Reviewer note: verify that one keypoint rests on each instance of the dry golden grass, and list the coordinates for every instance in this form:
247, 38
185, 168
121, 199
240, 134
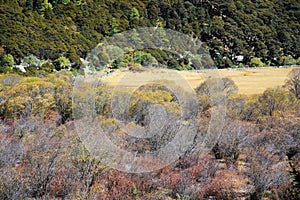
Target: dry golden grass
256, 81
249, 81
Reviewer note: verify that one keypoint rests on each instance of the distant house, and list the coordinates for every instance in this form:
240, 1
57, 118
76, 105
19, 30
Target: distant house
21, 67
239, 58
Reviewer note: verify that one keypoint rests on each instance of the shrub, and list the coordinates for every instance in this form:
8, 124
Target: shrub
225, 84
6, 63
293, 83
62, 63
144, 58
287, 60
256, 62
32, 96
276, 100
63, 87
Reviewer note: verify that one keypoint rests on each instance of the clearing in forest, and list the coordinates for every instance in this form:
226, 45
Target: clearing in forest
249, 81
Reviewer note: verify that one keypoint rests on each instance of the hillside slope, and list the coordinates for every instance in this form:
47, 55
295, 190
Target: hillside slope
268, 30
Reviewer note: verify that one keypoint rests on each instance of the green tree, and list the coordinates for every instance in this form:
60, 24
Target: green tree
66, 1
287, 60
6, 63
114, 27
29, 4
134, 17
62, 63
144, 58
32, 60
46, 6
256, 62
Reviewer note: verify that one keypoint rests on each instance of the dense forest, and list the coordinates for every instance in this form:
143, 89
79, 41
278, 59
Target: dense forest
55, 34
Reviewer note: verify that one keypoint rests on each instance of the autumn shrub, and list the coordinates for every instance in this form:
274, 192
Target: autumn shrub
270, 154
250, 111
212, 91
293, 82
103, 99
224, 84
204, 102
10, 80
46, 162
32, 96
268, 169
235, 137
227, 184
276, 100
63, 88
155, 106
236, 106
32, 169
146, 96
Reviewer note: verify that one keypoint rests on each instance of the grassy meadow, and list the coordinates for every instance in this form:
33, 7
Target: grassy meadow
249, 81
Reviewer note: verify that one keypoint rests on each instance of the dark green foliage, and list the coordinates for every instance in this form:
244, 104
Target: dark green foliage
6, 63
263, 29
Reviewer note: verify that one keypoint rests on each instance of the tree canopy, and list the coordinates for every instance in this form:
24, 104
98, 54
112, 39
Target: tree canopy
268, 30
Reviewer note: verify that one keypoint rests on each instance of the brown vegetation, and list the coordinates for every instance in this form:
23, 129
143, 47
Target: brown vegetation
42, 156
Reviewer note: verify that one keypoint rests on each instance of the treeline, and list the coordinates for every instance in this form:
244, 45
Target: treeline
234, 32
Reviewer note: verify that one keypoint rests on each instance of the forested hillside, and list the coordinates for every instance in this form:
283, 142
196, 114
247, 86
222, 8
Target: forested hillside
60, 32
